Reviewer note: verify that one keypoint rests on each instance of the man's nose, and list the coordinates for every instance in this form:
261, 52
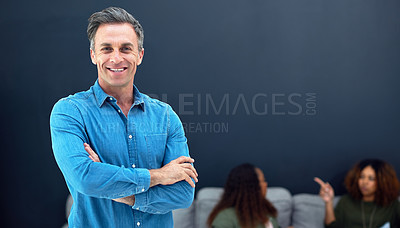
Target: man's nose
116, 57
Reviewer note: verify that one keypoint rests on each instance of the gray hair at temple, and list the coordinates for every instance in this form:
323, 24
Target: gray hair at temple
112, 15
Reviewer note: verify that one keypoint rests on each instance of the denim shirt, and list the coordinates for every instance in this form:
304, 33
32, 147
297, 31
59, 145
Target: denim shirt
148, 138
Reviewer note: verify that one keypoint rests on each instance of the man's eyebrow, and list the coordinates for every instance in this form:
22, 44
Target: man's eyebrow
127, 44
105, 44
108, 44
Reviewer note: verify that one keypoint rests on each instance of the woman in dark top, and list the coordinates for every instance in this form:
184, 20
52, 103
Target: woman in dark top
372, 199
243, 203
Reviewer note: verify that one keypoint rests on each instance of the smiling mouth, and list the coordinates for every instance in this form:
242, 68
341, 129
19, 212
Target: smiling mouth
117, 70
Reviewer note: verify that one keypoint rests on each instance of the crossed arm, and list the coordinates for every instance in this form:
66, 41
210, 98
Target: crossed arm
177, 170
156, 191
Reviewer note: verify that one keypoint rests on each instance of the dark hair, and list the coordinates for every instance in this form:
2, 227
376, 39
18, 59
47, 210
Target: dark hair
243, 192
112, 15
387, 184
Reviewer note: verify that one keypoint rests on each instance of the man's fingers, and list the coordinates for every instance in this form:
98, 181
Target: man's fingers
190, 166
190, 181
183, 159
92, 154
191, 174
179, 169
90, 151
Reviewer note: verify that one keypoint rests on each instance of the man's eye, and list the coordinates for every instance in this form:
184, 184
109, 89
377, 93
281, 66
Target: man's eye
106, 49
126, 49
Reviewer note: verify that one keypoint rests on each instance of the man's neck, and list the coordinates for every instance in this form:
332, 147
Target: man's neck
123, 95
123, 98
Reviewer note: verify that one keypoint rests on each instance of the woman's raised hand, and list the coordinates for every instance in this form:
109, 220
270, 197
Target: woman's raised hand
326, 192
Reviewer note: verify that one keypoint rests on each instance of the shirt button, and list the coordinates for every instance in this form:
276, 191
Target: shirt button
119, 111
142, 189
130, 136
133, 166
110, 98
138, 223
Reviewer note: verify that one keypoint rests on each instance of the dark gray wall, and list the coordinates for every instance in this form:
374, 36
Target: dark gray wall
299, 88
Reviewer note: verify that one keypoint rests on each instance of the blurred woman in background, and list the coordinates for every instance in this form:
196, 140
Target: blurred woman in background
372, 199
243, 203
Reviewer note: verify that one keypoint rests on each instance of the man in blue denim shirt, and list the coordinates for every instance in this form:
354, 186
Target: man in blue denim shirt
124, 156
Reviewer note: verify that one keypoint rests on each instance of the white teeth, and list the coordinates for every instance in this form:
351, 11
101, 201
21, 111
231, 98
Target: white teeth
117, 70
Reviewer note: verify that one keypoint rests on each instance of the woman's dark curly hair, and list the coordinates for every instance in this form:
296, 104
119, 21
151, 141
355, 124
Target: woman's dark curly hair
243, 192
387, 184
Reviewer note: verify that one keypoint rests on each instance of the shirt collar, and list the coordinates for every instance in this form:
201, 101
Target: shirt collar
101, 96
138, 97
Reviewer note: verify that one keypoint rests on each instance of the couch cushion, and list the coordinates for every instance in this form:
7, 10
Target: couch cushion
309, 211
282, 200
184, 218
207, 198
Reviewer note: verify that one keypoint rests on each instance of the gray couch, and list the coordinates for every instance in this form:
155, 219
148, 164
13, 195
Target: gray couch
300, 210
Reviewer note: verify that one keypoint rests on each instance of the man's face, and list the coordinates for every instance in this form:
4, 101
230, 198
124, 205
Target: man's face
116, 55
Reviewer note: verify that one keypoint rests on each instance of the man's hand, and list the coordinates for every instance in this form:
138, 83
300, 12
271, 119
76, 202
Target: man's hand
177, 170
326, 192
129, 200
92, 154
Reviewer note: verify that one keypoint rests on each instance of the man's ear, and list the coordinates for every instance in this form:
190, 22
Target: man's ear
93, 57
141, 54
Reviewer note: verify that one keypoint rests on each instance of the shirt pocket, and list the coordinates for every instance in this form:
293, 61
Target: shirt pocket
156, 145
